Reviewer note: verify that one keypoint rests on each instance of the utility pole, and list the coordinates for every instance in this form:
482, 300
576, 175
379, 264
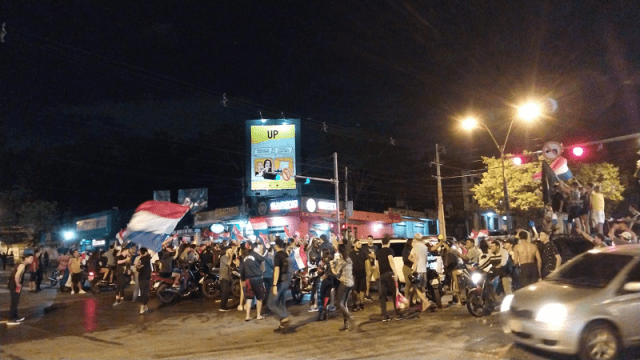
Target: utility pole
337, 183
346, 192
244, 202
442, 226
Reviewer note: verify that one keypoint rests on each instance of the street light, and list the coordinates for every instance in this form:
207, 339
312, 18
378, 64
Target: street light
527, 112
68, 235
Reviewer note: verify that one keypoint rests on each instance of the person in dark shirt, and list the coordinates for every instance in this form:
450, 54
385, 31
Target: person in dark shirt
144, 277
551, 258
557, 205
122, 264
15, 287
280, 286
251, 275
388, 276
359, 257
206, 258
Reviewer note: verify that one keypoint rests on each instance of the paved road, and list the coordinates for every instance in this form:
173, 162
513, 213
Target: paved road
65, 326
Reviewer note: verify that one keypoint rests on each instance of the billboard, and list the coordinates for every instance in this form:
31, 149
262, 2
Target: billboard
274, 146
197, 199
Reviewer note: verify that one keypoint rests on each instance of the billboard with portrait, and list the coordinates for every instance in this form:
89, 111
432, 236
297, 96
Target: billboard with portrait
273, 155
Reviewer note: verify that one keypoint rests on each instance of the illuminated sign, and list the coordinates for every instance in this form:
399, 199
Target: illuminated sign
313, 205
283, 205
326, 205
92, 224
273, 154
98, 242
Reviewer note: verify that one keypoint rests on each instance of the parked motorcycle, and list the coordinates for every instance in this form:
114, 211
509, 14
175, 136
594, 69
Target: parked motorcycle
97, 284
434, 285
55, 277
482, 297
302, 282
196, 276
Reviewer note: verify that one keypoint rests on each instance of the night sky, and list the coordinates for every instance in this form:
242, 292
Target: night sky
77, 70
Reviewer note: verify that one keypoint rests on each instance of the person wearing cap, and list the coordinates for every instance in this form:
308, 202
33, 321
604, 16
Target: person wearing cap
625, 238
418, 256
15, 287
251, 276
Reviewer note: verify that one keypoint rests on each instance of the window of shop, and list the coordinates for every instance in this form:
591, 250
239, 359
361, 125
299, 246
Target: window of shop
432, 227
400, 230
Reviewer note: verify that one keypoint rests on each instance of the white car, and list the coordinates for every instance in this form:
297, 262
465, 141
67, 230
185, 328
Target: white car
590, 306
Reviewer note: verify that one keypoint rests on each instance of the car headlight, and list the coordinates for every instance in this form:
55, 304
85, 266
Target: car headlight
552, 314
506, 303
476, 278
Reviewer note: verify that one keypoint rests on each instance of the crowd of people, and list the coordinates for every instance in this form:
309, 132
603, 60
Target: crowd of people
345, 267
577, 210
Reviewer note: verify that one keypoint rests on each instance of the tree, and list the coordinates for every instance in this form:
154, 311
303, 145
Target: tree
39, 215
524, 194
606, 175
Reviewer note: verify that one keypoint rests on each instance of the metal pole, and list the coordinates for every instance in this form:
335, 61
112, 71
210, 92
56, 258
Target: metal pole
244, 203
346, 192
443, 228
337, 183
506, 194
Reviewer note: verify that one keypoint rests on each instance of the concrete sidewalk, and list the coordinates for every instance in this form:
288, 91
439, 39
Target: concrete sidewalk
30, 302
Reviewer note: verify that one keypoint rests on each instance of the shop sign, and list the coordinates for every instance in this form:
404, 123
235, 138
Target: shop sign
326, 205
405, 212
284, 205
313, 205
98, 242
226, 212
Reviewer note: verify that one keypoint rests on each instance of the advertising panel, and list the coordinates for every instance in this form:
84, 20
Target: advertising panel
273, 156
197, 199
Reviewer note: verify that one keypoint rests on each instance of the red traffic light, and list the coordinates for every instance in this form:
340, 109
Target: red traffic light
517, 160
578, 151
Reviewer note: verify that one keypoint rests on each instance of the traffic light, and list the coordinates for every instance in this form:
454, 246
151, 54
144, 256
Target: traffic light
517, 160
578, 151
302, 180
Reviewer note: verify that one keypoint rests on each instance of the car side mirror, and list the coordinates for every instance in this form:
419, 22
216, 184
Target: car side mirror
633, 286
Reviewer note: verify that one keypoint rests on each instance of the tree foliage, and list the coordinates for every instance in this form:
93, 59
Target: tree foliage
524, 193
606, 175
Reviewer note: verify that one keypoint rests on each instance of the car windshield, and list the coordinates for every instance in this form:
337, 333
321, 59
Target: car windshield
592, 269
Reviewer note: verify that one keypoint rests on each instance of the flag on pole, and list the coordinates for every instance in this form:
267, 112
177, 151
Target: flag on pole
120, 236
264, 238
286, 231
237, 233
559, 168
152, 222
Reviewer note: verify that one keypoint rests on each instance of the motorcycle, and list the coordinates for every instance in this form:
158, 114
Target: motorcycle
434, 285
98, 284
302, 282
194, 285
212, 287
482, 297
55, 277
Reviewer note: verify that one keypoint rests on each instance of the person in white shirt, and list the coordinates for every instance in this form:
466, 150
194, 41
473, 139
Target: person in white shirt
418, 255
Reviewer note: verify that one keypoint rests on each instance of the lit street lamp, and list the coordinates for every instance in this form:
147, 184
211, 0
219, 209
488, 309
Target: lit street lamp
527, 112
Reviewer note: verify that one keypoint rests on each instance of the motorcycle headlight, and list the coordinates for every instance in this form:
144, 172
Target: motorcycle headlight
506, 303
476, 278
552, 314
